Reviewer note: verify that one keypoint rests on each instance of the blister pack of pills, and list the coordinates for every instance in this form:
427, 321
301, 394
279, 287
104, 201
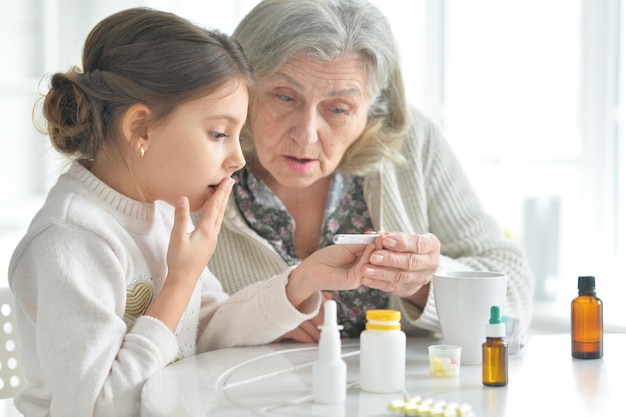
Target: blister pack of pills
428, 407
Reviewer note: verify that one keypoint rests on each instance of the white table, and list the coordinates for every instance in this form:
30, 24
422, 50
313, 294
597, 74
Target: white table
275, 380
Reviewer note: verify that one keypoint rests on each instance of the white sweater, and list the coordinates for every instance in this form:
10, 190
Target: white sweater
431, 193
89, 266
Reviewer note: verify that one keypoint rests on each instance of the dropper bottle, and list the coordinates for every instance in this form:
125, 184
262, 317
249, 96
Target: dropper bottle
586, 321
495, 352
329, 370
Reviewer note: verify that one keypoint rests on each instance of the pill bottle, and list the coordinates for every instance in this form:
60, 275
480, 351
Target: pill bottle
495, 352
586, 321
383, 352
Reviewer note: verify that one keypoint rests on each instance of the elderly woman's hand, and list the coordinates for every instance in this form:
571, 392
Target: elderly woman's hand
403, 264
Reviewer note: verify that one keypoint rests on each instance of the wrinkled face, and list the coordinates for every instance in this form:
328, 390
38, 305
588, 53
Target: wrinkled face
306, 115
195, 147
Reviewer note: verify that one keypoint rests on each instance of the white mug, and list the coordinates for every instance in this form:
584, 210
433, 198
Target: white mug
463, 300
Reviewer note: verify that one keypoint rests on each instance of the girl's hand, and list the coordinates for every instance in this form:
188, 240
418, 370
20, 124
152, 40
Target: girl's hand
335, 267
189, 253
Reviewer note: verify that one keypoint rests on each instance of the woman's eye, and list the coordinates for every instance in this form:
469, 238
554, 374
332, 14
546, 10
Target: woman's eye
283, 97
339, 110
217, 135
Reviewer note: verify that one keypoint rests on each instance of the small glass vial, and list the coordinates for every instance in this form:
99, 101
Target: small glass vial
383, 352
495, 352
587, 322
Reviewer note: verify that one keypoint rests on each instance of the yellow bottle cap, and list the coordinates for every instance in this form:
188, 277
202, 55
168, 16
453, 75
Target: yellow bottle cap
383, 319
383, 315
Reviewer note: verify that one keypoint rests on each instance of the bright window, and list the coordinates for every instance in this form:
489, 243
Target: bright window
530, 105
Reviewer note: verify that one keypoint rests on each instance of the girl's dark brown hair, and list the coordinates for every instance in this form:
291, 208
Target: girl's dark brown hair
138, 55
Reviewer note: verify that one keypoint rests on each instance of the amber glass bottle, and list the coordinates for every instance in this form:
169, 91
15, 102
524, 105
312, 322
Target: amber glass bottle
495, 352
587, 322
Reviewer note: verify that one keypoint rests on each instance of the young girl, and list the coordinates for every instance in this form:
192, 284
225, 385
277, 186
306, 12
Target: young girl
110, 281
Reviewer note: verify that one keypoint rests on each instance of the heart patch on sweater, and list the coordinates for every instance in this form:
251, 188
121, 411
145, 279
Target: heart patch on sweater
138, 299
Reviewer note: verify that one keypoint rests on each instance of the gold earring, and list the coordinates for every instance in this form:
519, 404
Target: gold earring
141, 151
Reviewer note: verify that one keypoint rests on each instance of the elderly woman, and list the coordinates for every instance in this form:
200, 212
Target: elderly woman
332, 147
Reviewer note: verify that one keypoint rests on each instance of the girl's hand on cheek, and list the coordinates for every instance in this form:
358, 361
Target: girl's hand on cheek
188, 253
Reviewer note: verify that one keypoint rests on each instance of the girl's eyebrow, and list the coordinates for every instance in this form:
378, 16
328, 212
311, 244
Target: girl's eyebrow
221, 117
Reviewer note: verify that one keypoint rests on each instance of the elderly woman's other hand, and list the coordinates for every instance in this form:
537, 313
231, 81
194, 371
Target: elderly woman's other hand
403, 264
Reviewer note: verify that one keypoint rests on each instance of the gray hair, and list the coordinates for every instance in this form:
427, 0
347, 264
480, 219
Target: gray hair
277, 30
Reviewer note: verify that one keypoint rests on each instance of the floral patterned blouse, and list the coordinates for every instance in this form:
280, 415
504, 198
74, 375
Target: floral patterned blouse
345, 212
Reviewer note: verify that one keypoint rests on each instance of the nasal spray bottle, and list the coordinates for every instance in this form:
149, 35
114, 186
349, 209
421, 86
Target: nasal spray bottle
329, 370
